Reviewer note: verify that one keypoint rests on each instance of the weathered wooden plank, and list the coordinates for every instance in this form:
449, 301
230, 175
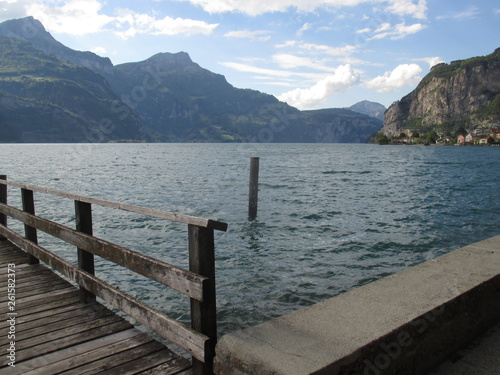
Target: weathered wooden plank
186, 219
28, 292
177, 278
28, 320
32, 303
69, 299
13, 260
78, 355
68, 341
4, 271
59, 335
26, 333
38, 336
117, 359
29, 276
39, 361
172, 367
28, 286
149, 362
168, 328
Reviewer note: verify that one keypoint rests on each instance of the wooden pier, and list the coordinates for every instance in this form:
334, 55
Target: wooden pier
51, 326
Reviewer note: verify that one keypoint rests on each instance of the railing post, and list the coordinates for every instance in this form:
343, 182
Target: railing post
83, 213
30, 232
204, 314
3, 199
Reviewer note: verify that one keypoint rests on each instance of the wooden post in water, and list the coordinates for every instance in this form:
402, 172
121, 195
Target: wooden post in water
253, 191
29, 232
3, 199
204, 314
83, 211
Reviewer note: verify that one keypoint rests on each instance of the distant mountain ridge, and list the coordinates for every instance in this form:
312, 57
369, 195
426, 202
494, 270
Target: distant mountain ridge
371, 109
51, 93
462, 94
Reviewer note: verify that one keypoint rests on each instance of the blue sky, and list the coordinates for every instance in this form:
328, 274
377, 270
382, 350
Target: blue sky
309, 53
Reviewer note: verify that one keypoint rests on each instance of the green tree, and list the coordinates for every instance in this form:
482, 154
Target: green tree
382, 139
431, 137
461, 131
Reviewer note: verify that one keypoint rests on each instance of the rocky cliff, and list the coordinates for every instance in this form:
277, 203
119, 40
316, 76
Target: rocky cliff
464, 93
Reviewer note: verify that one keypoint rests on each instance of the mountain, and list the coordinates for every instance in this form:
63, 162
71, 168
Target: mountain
371, 109
32, 31
45, 99
51, 93
464, 93
182, 101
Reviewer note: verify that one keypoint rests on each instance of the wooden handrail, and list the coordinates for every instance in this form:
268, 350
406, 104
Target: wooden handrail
172, 216
174, 277
198, 283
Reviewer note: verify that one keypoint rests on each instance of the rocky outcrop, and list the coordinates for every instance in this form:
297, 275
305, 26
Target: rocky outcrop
463, 93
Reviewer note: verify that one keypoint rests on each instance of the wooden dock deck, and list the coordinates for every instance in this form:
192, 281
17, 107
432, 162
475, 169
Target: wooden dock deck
52, 326
56, 333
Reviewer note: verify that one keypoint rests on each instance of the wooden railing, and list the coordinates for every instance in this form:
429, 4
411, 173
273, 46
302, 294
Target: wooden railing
198, 282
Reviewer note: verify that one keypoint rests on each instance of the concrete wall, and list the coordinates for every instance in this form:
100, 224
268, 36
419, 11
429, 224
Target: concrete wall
406, 323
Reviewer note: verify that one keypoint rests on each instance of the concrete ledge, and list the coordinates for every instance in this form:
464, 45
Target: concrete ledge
406, 323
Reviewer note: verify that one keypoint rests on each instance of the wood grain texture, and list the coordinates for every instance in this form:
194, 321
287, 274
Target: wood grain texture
56, 333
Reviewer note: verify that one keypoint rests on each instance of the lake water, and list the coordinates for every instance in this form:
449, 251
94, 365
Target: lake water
331, 217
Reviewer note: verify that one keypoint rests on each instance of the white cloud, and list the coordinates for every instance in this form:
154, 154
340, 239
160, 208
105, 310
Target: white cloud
415, 8
333, 51
77, 17
10, 9
343, 78
140, 23
288, 43
403, 75
81, 17
395, 32
256, 7
259, 35
101, 51
253, 69
470, 12
288, 61
304, 27
364, 31
431, 60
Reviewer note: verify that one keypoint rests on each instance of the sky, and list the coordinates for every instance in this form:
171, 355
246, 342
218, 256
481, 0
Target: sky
309, 53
